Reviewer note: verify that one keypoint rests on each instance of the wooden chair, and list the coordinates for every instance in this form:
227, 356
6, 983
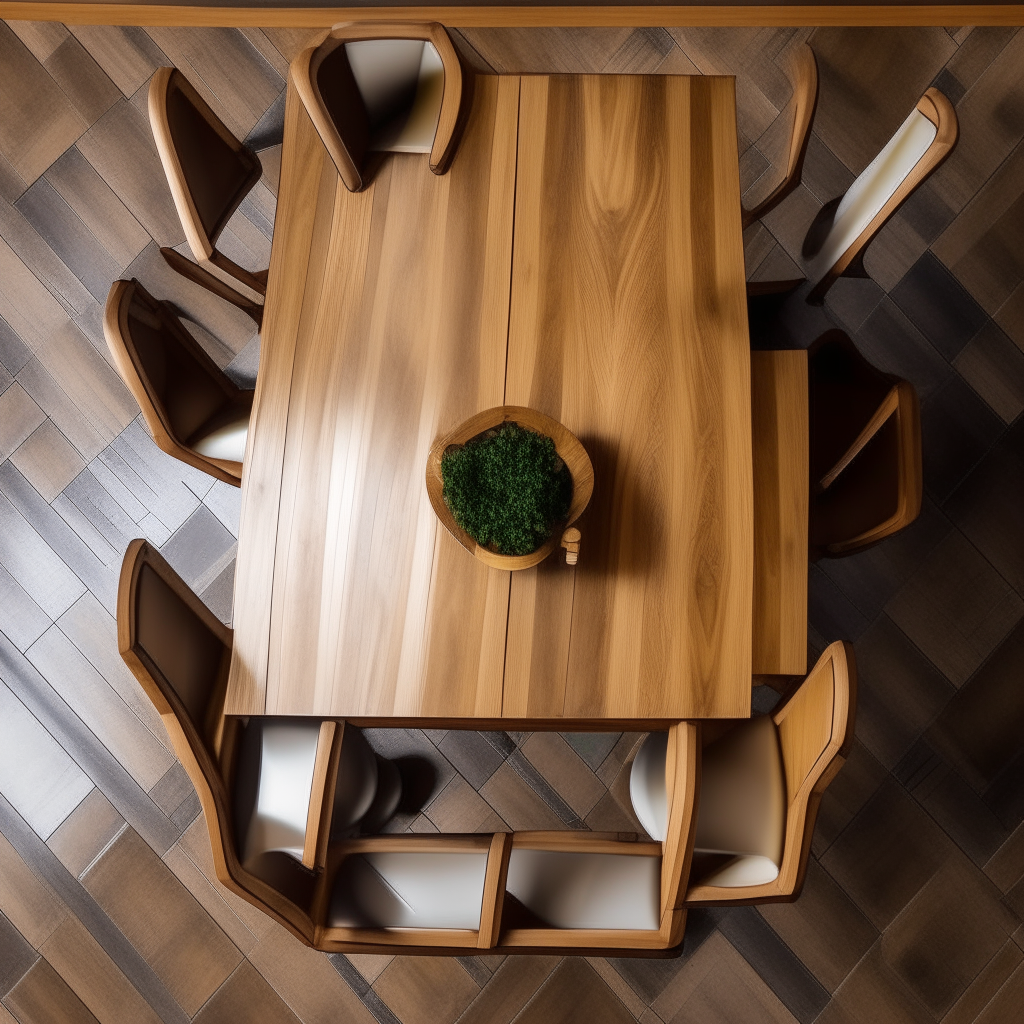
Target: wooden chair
373, 88
194, 411
865, 450
919, 146
209, 173
761, 784
803, 103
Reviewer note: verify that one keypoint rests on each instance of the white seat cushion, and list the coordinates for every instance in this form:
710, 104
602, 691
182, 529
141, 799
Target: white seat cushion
742, 807
743, 871
226, 441
401, 82
587, 890
433, 889
647, 785
873, 189
282, 754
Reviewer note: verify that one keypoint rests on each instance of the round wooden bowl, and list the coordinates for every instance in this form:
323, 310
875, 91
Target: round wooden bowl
569, 449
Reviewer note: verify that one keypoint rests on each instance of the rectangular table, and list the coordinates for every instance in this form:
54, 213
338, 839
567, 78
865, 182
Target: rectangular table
582, 256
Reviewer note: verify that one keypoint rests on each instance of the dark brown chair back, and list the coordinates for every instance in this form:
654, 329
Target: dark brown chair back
865, 449
179, 388
180, 652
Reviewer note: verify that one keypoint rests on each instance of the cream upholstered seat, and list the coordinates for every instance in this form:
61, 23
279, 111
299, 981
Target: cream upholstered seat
566, 889
647, 789
402, 889
920, 144
379, 88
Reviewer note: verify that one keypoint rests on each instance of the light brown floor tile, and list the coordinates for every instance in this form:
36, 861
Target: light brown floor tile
86, 832
574, 994
459, 808
369, 965
986, 986
513, 985
48, 460
82, 79
45, 123
623, 752
25, 899
564, 770
42, 997
19, 417
191, 955
245, 996
80, 960
823, 928
513, 799
947, 934
426, 989
609, 815
41, 37
127, 55
305, 979
289, 41
1005, 1005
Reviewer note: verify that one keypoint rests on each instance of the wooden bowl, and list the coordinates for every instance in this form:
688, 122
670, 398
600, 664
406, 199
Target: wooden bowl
570, 451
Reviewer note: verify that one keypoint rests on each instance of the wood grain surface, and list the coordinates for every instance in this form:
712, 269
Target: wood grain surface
778, 384
628, 325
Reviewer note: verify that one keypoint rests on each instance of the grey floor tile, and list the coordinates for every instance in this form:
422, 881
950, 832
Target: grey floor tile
472, 755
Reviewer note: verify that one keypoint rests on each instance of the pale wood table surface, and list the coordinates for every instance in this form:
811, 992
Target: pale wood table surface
396, 313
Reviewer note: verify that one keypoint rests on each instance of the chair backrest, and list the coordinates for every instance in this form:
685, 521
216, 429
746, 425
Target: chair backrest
180, 653
814, 729
179, 388
208, 170
357, 84
803, 104
866, 473
920, 145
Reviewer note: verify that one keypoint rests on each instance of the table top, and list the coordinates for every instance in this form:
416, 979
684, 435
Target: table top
394, 314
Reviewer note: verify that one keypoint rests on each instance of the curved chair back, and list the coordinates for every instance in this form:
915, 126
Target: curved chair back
180, 653
865, 428
814, 733
186, 400
369, 87
803, 104
919, 146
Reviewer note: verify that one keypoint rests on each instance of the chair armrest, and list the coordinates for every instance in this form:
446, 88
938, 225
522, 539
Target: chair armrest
494, 890
682, 780
321, 794
882, 413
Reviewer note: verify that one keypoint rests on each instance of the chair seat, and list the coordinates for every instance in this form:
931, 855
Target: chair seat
224, 437
742, 809
647, 785
587, 890
401, 82
432, 889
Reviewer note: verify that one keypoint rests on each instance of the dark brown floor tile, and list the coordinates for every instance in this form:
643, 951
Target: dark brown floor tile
593, 747
642, 53
512, 987
986, 985
16, 956
926, 212
474, 755
823, 928
574, 994
245, 996
426, 989
982, 729
824, 174
851, 300
886, 854
956, 608
189, 953
830, 611
977, 52
899, 692
1006, 865
564, 771
858, 780
42, 997
947, 934
86, 832
994, 366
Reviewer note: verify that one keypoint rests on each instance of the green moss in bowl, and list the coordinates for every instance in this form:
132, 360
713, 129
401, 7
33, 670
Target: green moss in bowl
507, 488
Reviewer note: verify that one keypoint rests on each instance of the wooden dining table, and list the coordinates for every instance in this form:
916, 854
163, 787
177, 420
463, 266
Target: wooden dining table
582, 256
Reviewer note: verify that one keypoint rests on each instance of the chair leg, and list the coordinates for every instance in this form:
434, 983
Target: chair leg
202, 277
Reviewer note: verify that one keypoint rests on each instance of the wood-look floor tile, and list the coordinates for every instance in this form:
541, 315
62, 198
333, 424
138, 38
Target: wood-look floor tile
245, 996
86, 84
426, 989
517, 803
459, 808
19, 416
975, 55
473, 755
886, 854
189, 953
987, 986
1006, 866
50, 397
26, 305
290, 41
574, 993
42, 997
25, 899
126, 54
48, 460
823, 928
11, 182
565, 770
642, 53
86, 832
511, 988
956, 608
16, 955
41, 37
45, 123
513, 51
306, 980
21, 619
91, 974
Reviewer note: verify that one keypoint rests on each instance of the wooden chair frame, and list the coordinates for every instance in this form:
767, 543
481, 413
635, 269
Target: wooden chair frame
202, 243
937, 108
129, 365
802, 800
208, 755
804, 103
455, 101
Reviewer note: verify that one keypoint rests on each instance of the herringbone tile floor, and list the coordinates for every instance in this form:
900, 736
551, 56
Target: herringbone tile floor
109, 908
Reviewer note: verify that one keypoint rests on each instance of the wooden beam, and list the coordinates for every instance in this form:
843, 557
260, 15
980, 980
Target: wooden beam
638, 16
